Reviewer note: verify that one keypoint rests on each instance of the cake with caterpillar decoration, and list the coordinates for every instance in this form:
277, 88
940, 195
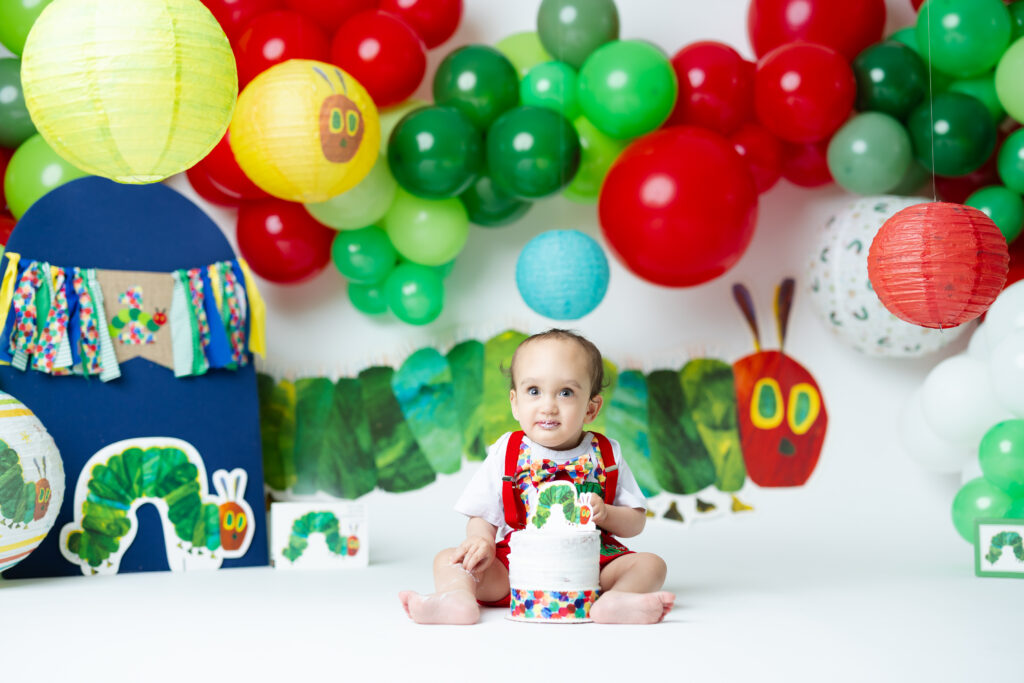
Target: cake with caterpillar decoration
554, 563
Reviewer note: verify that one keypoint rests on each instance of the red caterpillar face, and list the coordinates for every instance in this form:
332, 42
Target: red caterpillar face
160, 317
341, 128
353, 545
233, 523
43, 493
584, 514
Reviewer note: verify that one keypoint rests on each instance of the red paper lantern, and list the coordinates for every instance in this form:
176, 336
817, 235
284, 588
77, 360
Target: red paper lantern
938, 264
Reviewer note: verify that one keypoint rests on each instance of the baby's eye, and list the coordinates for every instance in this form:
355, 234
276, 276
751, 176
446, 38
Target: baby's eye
533, 391
565, 392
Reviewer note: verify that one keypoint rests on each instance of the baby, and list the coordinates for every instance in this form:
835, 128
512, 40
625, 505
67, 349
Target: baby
556, 379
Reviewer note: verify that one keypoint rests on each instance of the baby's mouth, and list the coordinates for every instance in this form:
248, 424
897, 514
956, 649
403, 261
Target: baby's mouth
548, 424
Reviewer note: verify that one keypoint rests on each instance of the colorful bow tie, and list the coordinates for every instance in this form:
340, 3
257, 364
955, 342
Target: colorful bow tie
577, 469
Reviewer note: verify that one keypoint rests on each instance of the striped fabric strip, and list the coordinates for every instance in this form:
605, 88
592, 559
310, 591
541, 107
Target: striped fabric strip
108, 359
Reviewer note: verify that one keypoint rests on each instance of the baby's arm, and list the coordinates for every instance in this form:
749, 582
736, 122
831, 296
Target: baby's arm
617, 520
477, 551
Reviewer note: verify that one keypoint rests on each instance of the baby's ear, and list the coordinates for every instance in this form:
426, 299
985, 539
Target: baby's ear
593, 408
512, 403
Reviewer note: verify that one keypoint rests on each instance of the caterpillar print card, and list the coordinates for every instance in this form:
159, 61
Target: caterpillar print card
318, 535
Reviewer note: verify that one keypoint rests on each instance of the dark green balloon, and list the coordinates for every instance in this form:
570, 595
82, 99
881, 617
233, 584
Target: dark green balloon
490, 206
479, 81
1016, 20
1006, 209
435, 152
368, 298
935, 79
958, 128
15, 124
572, 29
532, 152
983, 88
363, 255
415, 293
891, 78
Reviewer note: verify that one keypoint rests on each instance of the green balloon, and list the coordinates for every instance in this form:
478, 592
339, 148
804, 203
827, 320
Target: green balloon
1001, 456
597, 153
1006, 209
479, 81
436, 152
982, 88
963, 37
523, 50
34, 170
363, 205
390, 117
935, 80
15, 124
1010, 161
365, 255
430, 232
870, 154
627, 88
1016, 10
1016, 510
953, 135
977, 499
913, 180
891, 78
551, 85
415, 293
572, 29
444, 270
532, 152
16, 19
490, 206
368, 299
1009, 87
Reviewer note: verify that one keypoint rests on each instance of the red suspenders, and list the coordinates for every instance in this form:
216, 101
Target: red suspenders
515, 511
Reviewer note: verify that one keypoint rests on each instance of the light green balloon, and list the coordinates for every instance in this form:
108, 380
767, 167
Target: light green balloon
1009, 85
430, 232
16, 19
870, 154
363, 205
524, 50
598, 152
390, 117
34, 170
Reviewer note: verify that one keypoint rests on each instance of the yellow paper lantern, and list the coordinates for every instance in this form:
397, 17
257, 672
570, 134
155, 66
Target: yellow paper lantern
305, 131
132, 90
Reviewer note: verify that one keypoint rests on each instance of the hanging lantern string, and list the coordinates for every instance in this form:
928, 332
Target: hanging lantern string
931, 97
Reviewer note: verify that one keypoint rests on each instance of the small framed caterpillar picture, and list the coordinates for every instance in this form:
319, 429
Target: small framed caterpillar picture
999, 548
318, 535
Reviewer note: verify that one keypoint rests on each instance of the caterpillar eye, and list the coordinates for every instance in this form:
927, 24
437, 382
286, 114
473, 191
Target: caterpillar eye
240, 522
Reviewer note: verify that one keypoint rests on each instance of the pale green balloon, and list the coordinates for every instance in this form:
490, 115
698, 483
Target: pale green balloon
430, 232
390, 117
1009, 86
870, 154
598, 152
363, 205
524, 50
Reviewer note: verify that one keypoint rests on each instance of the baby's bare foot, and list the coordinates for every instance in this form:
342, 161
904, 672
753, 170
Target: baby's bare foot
453, 607
615, 607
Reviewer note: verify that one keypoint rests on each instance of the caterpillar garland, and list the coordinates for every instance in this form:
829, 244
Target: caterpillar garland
709, 424
170, 474
325, 523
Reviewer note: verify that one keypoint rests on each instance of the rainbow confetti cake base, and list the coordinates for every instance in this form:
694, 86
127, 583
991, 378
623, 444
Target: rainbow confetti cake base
552, 607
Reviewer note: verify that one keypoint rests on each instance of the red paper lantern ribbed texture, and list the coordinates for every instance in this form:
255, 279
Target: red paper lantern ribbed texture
938, 264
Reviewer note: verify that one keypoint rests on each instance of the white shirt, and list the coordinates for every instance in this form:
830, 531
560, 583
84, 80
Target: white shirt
482, 497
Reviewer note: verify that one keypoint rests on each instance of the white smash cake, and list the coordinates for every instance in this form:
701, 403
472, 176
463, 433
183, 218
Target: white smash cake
554, 564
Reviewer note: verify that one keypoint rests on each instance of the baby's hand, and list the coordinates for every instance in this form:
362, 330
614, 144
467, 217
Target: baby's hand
475, 553
598, 510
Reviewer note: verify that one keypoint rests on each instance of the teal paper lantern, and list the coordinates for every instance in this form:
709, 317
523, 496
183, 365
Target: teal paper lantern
562, 274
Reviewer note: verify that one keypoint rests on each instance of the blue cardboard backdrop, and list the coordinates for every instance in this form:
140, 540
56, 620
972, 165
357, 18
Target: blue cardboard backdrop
93, 222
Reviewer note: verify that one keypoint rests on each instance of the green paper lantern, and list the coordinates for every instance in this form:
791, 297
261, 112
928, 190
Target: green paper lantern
132, 90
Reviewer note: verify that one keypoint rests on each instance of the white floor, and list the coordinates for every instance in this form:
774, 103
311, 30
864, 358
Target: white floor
784, 593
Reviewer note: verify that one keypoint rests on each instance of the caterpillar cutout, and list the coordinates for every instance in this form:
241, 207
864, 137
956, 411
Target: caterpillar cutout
1002, 540
556, 494
325, 523
199, 530
21, 501
707, 426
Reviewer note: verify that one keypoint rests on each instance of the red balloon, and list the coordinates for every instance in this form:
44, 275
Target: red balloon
847, 26
806, 164
233, 15
803, 92
276, 37
716, 87
675, 222
938, 264
434, 20
281, 241
330, 14
917, 4
227, 177
383, 53
200, 181
1016, 272
762, 152
5, 157
7, 222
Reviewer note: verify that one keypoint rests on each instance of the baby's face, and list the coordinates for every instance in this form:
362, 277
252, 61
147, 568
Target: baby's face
551, 399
